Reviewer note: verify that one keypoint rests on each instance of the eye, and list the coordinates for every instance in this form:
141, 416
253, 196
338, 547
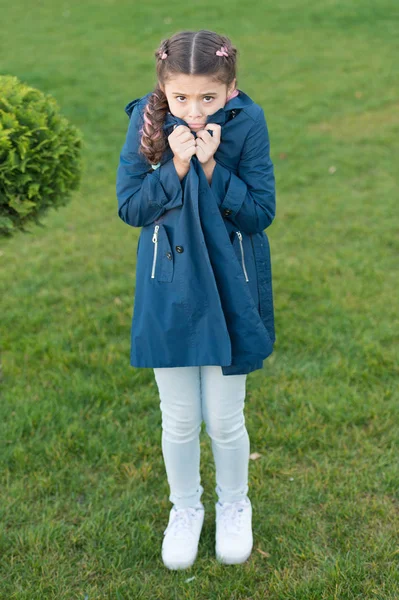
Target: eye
211, 98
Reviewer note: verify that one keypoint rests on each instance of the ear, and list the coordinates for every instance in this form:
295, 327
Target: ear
232, 87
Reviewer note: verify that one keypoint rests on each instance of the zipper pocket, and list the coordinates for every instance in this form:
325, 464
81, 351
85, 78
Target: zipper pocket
242, 255
155, 240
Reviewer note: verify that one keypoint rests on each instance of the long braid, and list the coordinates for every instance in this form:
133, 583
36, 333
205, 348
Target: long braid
152, 138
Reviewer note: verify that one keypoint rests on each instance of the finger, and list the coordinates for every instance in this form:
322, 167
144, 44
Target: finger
190, 152
182, 140
201, 148
186, 136
215, 128
180, 129
204, 134
201, 143
188, 143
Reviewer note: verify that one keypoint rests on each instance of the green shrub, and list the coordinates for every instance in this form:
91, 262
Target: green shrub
40, 155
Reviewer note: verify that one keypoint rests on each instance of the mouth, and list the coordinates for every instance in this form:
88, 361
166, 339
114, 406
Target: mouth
196, 125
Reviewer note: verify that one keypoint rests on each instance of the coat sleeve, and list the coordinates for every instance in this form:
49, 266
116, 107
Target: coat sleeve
144, 194
248, 199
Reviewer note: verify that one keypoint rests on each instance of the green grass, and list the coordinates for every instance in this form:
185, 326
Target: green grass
84, 495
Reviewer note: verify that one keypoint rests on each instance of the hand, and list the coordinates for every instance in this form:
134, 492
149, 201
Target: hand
206, 143
182, 144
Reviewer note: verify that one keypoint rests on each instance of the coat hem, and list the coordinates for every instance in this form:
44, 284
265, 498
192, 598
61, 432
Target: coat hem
239, 369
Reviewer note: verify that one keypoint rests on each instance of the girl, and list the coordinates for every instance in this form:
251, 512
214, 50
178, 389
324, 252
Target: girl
195, 174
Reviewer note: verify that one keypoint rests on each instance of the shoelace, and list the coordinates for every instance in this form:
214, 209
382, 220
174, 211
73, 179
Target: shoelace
231, 516
182, 520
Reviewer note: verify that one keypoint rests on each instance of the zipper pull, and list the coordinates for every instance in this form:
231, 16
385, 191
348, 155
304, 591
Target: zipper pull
155, 235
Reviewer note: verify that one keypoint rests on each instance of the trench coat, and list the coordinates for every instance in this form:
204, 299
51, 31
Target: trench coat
203, 289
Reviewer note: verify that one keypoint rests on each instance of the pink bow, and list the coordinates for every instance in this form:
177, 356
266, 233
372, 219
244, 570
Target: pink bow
223, 51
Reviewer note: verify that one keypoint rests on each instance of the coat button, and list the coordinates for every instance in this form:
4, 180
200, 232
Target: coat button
169, 255
179, 249
227, 212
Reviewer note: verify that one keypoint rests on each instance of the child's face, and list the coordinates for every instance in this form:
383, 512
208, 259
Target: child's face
194, 97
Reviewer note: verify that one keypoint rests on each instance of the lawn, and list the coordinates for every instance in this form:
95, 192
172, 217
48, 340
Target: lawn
84, 495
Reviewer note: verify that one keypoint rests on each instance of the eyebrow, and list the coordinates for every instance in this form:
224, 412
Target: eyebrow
207, 94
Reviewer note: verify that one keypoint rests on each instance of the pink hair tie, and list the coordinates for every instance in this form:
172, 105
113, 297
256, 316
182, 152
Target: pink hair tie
223, 51
164, 55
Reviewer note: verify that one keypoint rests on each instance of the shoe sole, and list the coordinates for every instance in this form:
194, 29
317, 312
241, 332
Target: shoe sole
232, 561
177, 566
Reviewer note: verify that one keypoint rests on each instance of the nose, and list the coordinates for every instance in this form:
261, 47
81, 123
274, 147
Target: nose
194, 112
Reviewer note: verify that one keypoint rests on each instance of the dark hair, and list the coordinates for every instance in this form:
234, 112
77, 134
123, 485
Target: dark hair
188, 53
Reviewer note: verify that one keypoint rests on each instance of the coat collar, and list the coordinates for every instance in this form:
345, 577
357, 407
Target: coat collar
220, 117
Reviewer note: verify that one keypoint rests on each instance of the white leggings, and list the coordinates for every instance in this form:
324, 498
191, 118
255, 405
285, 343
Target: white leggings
189, 395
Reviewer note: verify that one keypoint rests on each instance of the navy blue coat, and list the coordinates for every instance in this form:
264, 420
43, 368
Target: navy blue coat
203, 277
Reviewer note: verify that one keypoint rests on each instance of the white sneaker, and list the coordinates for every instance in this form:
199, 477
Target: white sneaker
234, 539
181, 537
